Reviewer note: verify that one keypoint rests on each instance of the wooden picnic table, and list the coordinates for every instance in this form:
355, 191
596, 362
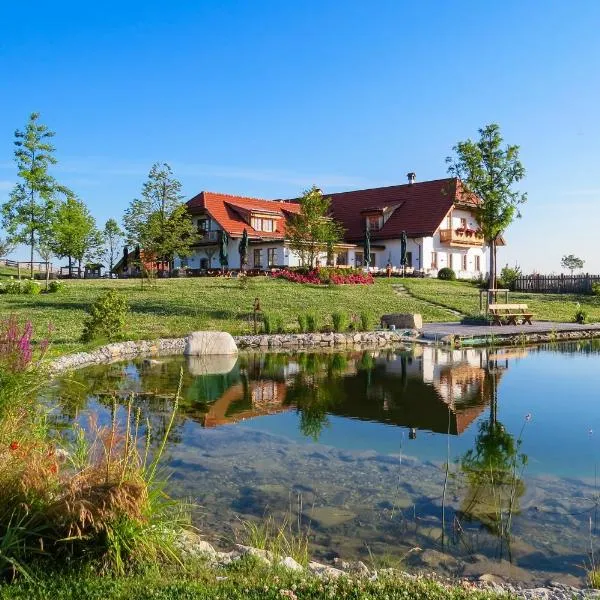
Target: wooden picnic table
510, 313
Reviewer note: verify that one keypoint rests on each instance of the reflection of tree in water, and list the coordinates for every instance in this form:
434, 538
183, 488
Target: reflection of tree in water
493, 470
315, 390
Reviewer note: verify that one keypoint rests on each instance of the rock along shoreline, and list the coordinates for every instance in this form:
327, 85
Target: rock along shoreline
288, 342
193, 545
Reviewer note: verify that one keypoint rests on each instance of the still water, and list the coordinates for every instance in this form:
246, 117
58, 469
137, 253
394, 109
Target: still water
477, 457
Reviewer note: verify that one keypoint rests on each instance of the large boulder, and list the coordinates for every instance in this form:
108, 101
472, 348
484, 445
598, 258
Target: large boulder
403, 321
200, 343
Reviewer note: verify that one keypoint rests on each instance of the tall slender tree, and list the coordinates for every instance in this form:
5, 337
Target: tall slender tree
159, 221
25, 214
490, 170
113, 237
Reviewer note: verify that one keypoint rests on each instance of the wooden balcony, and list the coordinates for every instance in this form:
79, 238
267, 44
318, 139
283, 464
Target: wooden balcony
461, 237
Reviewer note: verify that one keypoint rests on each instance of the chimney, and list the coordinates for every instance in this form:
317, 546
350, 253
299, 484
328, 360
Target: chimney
412, 177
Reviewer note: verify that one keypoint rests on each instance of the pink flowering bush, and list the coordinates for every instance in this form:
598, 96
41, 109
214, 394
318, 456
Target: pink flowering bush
325, 276
16, 346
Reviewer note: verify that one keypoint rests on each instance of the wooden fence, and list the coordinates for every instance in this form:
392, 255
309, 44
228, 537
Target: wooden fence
556, 284
24, 267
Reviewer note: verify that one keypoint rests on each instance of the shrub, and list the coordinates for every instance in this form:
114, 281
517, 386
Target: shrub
106, 318
267, 323
596, 292
340, 321
365, 322
302, 325
508, 277
12, 287
55, 286
99, 501
30, 287
311, 323
581, 315
447, 274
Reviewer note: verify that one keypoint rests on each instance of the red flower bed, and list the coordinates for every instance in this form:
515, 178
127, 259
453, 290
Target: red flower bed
326, 275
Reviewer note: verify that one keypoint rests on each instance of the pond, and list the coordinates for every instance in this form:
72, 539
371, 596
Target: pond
480, 458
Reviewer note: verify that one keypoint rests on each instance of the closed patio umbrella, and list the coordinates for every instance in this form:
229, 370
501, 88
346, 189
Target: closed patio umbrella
223, 256
403, 241
243, 249
367, 249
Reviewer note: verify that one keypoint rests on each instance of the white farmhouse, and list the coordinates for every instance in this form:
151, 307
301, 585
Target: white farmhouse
438, 217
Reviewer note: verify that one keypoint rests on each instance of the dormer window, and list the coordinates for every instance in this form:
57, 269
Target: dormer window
262, 224
374, 222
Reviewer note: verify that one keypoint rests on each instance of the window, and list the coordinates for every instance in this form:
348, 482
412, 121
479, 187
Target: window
341, 258
464, 262
204, 263
449, 222
409, 259
434, 260
203, 226
478, 263
257, 258
358, 259
374, 222
463, 223
262, 224
271, 256
451, 261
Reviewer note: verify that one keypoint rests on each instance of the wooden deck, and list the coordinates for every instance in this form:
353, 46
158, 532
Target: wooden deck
538, 331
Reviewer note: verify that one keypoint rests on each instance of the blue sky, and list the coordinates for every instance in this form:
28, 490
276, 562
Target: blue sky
266, 98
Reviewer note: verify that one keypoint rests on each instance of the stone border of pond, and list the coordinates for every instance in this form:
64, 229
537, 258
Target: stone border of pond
275, 342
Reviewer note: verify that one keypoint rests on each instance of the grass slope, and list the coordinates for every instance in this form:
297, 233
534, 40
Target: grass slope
177, 306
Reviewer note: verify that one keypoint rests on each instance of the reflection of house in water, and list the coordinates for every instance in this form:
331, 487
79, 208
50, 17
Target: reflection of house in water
431, 389
262, 397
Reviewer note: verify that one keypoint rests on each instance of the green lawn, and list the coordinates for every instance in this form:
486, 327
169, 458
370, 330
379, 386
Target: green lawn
177, 306
464, 297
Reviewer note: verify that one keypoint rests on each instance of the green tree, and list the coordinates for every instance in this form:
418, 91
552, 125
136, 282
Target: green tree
74, 232
489, 170
113, 236
25, 215
5, 247
571, 262
312, 231
159, 221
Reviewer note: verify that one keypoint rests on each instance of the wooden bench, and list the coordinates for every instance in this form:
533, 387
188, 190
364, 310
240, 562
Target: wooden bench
510, 313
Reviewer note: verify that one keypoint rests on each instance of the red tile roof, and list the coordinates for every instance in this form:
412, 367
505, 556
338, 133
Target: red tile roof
420, 208
222, 208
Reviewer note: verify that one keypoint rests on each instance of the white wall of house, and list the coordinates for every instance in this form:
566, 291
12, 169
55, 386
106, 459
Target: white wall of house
467, 262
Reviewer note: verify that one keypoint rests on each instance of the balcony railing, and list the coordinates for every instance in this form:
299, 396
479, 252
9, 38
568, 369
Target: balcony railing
461, 237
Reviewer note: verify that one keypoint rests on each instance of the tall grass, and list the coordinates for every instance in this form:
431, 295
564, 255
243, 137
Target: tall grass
99, 498
286, 537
